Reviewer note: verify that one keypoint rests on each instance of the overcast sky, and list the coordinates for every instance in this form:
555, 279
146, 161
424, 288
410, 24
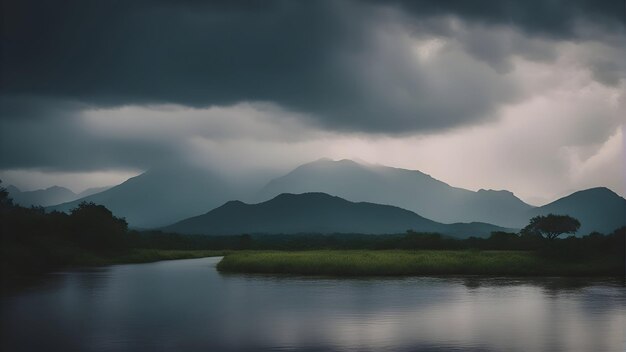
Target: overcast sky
527, 96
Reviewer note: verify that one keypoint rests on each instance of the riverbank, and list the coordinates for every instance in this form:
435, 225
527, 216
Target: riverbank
418, 262
136, 256
31, 265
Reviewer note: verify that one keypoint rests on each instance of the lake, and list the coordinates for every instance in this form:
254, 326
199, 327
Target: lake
186, 305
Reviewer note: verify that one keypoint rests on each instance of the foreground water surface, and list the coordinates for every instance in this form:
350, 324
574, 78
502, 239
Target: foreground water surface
186, 305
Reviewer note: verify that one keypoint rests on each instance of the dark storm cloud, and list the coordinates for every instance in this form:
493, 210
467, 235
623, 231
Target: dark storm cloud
58, 140
319, 58
551, 18
117, 52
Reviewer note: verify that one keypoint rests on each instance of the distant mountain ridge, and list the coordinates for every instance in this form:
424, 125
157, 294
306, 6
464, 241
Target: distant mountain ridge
598, 209
41, 197
408, 189
162, 195
317, 213
49, 196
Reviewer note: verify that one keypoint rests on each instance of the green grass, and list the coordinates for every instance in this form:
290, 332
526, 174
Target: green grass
419, 262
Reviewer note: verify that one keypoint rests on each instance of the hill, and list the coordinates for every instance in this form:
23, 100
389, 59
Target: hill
408, 189
161, 196
597, 209
317, 213
41, 197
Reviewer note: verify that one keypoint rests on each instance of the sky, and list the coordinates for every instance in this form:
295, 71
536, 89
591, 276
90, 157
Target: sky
527, 96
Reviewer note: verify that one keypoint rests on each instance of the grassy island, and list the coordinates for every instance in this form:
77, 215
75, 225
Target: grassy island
415, 262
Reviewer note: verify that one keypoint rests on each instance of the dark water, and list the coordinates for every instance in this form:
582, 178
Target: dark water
187, 305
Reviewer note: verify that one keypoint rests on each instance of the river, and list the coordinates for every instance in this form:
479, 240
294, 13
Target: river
186, 305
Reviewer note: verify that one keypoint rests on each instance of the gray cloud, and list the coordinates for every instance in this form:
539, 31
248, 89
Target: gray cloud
100, 85
332, 61
554, 19
59, 141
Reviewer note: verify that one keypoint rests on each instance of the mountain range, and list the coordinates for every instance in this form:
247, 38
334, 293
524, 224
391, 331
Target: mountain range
408, 189
318, 213
165, 195
49, 196
162, 195
598, 209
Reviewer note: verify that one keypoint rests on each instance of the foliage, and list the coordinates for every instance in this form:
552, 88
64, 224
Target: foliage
552, 226
609, 244
5, 201
94, 226
34, 241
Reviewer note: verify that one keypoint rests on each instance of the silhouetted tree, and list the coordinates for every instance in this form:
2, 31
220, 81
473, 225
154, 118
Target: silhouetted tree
5, 200
551, 226
94, 226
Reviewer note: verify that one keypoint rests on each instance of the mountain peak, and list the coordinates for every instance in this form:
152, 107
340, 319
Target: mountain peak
58, 188
598, 209
329, 161
304, 195
496, 191
234, 202
41, 197
592, 193
598, 190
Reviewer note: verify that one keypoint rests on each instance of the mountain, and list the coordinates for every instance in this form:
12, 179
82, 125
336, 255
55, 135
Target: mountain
597, 209
41, 197
166, 194
162, 195
317, 213
90, 191
409, 189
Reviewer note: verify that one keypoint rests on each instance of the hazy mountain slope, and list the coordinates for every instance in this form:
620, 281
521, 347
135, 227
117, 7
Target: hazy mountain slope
317, 213
597, 209
412, 190
90, 191
161, 196
42, 197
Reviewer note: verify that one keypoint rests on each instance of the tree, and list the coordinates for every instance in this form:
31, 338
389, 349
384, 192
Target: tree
5, 199
95, 227
551, 226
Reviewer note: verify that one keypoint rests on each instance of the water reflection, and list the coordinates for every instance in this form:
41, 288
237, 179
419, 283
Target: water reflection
187, 305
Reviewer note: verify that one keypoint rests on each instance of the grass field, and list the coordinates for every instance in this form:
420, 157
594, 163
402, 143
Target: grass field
420, 262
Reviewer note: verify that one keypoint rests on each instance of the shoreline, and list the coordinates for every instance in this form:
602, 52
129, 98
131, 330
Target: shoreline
143, 255
10, 276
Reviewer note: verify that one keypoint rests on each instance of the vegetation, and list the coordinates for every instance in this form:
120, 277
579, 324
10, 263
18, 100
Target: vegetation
421, 262
552, 226
35, 241
611, 244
